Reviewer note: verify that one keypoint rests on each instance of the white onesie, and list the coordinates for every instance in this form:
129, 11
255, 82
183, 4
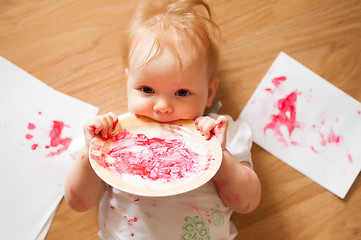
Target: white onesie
198, 214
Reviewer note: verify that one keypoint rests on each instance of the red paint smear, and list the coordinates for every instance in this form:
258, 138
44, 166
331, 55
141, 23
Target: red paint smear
313, 149
286, 116
31, 126
247, 207
350, 158
131, 220
132, 234
28, 136
56, 140
115, 123
221, 184
34, 146
237, 199
151, 158
333, 138
217, 130
99, 159
268, 90
323, 140
277, 80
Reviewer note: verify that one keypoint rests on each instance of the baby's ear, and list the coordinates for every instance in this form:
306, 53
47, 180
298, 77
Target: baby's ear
212, 89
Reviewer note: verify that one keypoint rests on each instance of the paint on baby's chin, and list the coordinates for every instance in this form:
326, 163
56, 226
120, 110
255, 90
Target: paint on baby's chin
166, 158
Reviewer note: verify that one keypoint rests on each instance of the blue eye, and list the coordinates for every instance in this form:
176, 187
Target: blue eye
147, 90
182, 93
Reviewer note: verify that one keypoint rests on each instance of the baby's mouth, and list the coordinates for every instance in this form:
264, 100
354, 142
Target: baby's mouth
164, 118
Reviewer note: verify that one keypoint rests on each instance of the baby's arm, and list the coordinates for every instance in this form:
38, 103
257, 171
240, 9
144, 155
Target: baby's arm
237, 183
83, 188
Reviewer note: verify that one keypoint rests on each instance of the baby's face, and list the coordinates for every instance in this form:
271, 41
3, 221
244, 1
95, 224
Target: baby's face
160, 91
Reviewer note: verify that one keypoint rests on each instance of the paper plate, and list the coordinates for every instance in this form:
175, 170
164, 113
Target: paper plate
155, 159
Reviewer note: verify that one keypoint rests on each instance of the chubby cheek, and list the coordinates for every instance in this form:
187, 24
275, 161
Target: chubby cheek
138, 106
199, 108
191, 111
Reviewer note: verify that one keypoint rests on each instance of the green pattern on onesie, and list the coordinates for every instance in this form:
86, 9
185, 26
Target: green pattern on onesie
195, 229
217, 218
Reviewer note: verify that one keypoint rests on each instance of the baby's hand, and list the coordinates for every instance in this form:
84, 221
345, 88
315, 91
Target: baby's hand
101, 124
209, 127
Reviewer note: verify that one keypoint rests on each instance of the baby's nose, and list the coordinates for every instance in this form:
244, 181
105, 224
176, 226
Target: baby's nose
162, 105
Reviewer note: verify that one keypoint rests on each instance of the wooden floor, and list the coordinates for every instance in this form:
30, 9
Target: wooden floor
74, 46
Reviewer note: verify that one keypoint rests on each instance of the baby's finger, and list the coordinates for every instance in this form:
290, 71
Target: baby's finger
105, 126
220, 130
112, 122
114, 119
200, 122
205, 125
222, 120
208, 127
93, 126
197, 122
222, 124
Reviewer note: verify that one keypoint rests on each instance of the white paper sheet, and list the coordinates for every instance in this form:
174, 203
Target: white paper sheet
44, 231
37, 123
308, 123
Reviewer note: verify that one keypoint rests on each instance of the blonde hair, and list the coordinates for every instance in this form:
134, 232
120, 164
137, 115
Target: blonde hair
171, 23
